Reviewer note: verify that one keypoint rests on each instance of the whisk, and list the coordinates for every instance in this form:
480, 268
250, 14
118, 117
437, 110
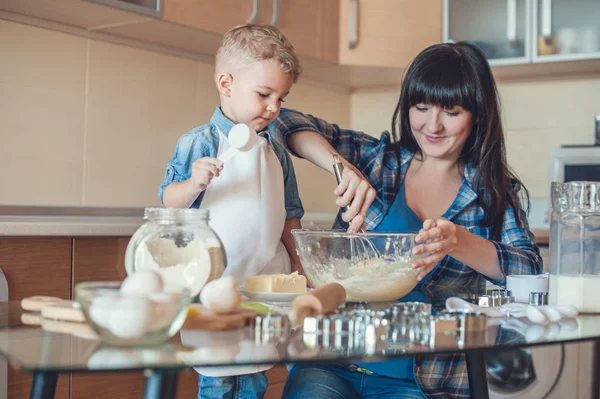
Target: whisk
366, 244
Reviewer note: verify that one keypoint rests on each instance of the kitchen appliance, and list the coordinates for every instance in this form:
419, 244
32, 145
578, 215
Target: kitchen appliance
541, 372
577, 162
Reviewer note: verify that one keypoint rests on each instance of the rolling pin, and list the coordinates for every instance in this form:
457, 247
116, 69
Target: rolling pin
317, 302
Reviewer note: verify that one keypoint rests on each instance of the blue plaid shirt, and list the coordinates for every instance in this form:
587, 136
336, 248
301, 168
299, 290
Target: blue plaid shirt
384, 165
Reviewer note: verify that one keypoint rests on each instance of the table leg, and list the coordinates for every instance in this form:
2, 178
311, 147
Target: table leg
43, 385
477, 375
596, 370
160, 384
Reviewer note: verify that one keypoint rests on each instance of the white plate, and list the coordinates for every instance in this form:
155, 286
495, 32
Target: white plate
269, 297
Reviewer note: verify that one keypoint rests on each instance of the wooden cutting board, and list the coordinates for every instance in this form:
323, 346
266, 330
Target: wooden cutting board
200, 318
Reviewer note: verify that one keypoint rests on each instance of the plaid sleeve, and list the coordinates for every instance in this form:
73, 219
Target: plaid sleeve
517, 251
348, 143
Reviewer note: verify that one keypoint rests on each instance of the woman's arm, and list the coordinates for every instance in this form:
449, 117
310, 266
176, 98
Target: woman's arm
320, 143
516, 253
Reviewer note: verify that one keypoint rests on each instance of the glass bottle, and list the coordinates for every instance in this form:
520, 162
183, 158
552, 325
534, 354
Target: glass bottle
180, 245
577, 280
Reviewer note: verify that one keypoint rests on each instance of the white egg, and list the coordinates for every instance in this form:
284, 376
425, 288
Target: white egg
101, 308
142, 282
131, 317
535, 315
221, 296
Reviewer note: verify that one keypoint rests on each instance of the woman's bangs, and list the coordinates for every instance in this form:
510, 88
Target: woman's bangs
442, 85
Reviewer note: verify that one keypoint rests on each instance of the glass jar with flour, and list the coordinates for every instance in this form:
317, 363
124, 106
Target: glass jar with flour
180, 245
575, 245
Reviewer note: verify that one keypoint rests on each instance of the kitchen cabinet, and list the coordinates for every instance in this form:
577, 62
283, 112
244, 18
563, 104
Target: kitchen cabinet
501, 29
212, 16
514, 32
35, 266
79, 13
311, 25
387, 33
566, 30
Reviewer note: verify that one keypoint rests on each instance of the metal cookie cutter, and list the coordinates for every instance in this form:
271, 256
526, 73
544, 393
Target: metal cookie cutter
442, 330
270, 326
472, 327
496, 298
538, 298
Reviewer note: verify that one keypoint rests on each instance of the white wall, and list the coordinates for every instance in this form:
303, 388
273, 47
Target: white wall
85, 122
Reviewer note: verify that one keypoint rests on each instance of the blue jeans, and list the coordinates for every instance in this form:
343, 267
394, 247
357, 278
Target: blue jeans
341, 382
247, 386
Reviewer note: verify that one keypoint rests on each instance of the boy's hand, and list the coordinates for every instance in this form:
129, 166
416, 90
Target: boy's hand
204, 170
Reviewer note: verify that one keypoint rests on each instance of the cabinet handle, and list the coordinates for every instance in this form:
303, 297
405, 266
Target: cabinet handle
255, 11
511, 22
547, 21
275, 19
352, 24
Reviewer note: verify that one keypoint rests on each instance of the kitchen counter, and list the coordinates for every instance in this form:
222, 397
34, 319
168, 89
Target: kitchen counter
90, 221
97, 221
542, 236
69, 221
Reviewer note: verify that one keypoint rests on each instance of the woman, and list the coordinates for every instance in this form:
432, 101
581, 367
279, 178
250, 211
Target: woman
442, 173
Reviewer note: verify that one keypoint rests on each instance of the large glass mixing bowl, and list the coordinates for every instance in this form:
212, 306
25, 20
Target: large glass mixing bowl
372, 267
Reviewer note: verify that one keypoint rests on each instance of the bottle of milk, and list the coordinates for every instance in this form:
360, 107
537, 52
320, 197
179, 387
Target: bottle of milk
575, 245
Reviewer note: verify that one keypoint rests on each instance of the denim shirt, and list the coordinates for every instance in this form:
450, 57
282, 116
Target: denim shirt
203, 141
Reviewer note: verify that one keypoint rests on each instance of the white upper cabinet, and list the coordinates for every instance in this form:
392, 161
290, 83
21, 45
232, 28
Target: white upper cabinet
513, 32
566, 30
500, 28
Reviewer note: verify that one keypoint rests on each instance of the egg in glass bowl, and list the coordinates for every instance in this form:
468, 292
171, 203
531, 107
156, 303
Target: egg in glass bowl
138, 312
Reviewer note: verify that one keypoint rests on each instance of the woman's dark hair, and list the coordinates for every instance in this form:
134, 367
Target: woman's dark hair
457, 74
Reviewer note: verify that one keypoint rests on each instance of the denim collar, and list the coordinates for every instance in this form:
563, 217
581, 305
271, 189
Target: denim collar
222, 123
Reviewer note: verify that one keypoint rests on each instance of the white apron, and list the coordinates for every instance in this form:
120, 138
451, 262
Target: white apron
247, 211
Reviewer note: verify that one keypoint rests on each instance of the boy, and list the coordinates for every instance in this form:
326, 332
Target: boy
252, 197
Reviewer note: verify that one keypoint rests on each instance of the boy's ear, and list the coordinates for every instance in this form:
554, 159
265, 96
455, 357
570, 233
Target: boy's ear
224, 82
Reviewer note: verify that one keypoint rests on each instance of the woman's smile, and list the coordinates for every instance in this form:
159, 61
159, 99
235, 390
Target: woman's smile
434, 139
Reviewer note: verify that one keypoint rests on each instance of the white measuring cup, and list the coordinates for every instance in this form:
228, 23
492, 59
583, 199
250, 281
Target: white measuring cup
242, 139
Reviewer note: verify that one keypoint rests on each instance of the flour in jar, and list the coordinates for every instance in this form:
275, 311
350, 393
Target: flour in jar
190, 266
371, 280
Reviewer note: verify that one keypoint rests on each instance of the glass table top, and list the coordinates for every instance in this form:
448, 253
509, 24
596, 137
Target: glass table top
33, 348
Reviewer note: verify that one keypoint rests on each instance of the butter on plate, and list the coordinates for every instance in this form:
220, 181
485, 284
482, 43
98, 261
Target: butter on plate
294, 283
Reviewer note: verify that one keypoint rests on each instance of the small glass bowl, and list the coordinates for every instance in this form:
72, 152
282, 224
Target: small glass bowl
132, 320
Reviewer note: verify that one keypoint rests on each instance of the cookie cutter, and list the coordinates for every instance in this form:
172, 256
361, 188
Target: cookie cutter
538, 298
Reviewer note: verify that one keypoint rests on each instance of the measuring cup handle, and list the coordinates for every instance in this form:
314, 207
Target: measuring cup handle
227, 154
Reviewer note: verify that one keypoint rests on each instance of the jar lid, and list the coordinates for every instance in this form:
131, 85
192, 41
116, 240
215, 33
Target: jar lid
168, 215
582, 196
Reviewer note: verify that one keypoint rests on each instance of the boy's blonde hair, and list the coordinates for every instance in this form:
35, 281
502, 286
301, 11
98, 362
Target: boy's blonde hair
246, 44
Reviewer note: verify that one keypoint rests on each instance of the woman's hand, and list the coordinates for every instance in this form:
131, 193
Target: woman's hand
439, 239
355, 192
